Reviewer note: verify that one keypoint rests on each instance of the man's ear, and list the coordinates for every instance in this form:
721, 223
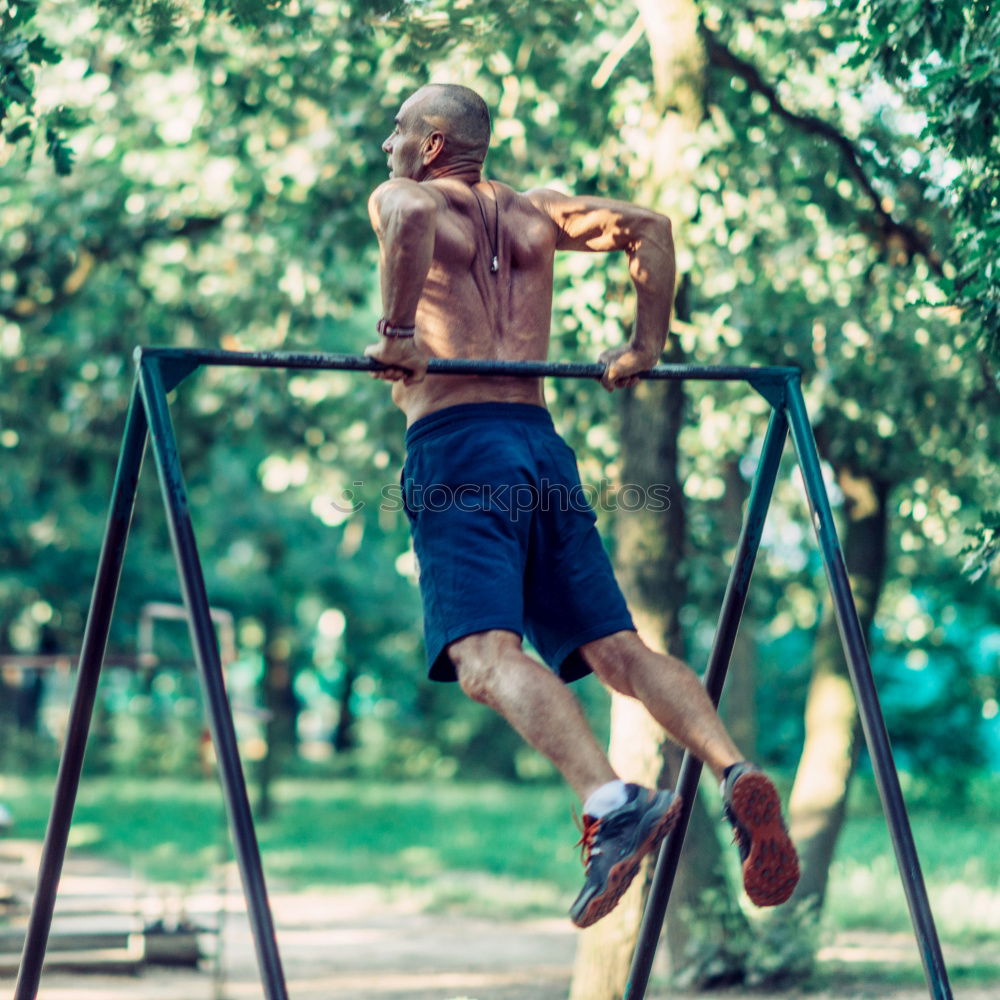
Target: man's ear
433, 147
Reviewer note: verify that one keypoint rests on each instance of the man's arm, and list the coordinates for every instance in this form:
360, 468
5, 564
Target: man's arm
403, 215
600, 225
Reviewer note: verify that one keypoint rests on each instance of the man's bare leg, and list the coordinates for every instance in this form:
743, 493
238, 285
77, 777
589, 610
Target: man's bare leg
675, 697
671, 692
494, 670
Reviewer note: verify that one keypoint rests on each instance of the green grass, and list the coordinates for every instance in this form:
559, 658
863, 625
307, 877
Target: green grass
960, 866
507, 851
487, 846
478, 845
874, 979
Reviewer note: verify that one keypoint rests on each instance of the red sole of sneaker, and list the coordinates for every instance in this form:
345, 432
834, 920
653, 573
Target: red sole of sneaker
621, 875
771, 870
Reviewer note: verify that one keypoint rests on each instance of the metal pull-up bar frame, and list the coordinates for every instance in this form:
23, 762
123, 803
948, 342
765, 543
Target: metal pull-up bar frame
159, 370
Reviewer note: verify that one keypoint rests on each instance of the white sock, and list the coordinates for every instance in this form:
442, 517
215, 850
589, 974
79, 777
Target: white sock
601, 801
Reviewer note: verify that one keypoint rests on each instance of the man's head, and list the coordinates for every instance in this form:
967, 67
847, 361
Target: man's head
441, 126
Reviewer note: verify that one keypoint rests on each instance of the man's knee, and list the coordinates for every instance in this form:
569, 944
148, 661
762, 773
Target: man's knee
477, 659
614, 659
622, 661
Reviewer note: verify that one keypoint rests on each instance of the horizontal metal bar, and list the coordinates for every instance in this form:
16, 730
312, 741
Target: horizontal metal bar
457, 366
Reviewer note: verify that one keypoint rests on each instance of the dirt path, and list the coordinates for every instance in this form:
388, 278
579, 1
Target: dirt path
362, 944
357, 945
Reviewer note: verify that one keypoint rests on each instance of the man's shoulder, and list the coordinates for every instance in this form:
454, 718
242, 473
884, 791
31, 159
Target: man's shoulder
543, 197
405, 186
529, 198
552, 203
403, 191
533, 204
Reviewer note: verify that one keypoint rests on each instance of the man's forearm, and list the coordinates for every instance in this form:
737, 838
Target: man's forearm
653, 268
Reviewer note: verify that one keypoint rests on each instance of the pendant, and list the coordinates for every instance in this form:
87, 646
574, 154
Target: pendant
495, 265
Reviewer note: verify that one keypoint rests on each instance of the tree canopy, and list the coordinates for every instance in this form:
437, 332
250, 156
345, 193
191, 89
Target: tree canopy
196, 171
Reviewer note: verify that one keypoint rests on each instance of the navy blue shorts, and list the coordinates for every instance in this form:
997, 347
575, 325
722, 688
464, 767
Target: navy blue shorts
505, 537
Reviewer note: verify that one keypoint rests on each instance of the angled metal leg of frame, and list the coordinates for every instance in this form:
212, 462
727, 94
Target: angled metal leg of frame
873, 723
207, 656
95, 638
715, 676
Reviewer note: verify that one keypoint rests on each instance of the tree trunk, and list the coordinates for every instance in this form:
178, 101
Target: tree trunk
343, 733
705, 922
708, 936
281, 706
818, 804
650, 549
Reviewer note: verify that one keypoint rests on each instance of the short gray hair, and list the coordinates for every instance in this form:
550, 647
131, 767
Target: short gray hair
461, 114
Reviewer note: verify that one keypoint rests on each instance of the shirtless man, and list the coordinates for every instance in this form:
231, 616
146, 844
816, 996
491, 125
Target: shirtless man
466, 272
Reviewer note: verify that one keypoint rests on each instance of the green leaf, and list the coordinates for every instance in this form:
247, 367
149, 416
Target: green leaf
14, 89
13, 48
19, 132
41, 51
59, 152
24, 11
64, 117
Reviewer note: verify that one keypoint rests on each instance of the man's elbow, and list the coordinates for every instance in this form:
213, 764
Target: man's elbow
661, 229
651, 232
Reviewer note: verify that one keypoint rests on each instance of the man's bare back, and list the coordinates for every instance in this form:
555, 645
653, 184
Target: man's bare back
468, 311
440, 226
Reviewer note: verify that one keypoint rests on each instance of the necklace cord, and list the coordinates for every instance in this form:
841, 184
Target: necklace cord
495, 242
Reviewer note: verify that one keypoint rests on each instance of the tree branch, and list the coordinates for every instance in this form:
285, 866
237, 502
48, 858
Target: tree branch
621, 49
913, 241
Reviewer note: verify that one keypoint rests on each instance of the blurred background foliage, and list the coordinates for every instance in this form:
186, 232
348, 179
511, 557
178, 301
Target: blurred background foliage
195, 172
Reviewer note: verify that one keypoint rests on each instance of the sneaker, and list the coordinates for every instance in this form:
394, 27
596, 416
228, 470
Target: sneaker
770, 863
615, 844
